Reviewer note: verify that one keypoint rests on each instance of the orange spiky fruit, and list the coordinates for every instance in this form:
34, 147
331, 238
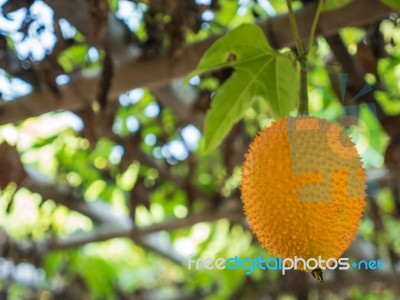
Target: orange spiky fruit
303, 188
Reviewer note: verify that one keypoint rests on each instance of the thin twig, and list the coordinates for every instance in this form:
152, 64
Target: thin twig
302, 53
314, 24
295, 29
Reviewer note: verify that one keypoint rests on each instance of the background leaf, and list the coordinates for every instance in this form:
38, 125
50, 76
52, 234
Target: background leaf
260, 71
392, 3
334, 4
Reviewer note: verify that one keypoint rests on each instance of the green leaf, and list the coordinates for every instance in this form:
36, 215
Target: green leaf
260, 71
392, 3
227, 12
73, 57
335, 4
113, 4
243, 44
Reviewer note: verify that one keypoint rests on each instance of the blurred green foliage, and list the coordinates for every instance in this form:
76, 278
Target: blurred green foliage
61, 155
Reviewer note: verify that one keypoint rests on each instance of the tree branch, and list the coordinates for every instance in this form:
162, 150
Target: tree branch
160, 70
97, 211
117, 34
139, 233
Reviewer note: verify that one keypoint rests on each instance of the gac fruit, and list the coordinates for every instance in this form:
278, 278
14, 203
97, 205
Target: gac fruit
303, 188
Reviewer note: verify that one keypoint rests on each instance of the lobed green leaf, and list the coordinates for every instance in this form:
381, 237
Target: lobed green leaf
260, 71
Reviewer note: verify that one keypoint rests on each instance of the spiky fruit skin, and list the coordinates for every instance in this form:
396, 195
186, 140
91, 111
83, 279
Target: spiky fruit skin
303, 188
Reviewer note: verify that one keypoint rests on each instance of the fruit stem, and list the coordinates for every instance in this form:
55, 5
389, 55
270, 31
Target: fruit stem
302, 52
303, 103
318, 275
